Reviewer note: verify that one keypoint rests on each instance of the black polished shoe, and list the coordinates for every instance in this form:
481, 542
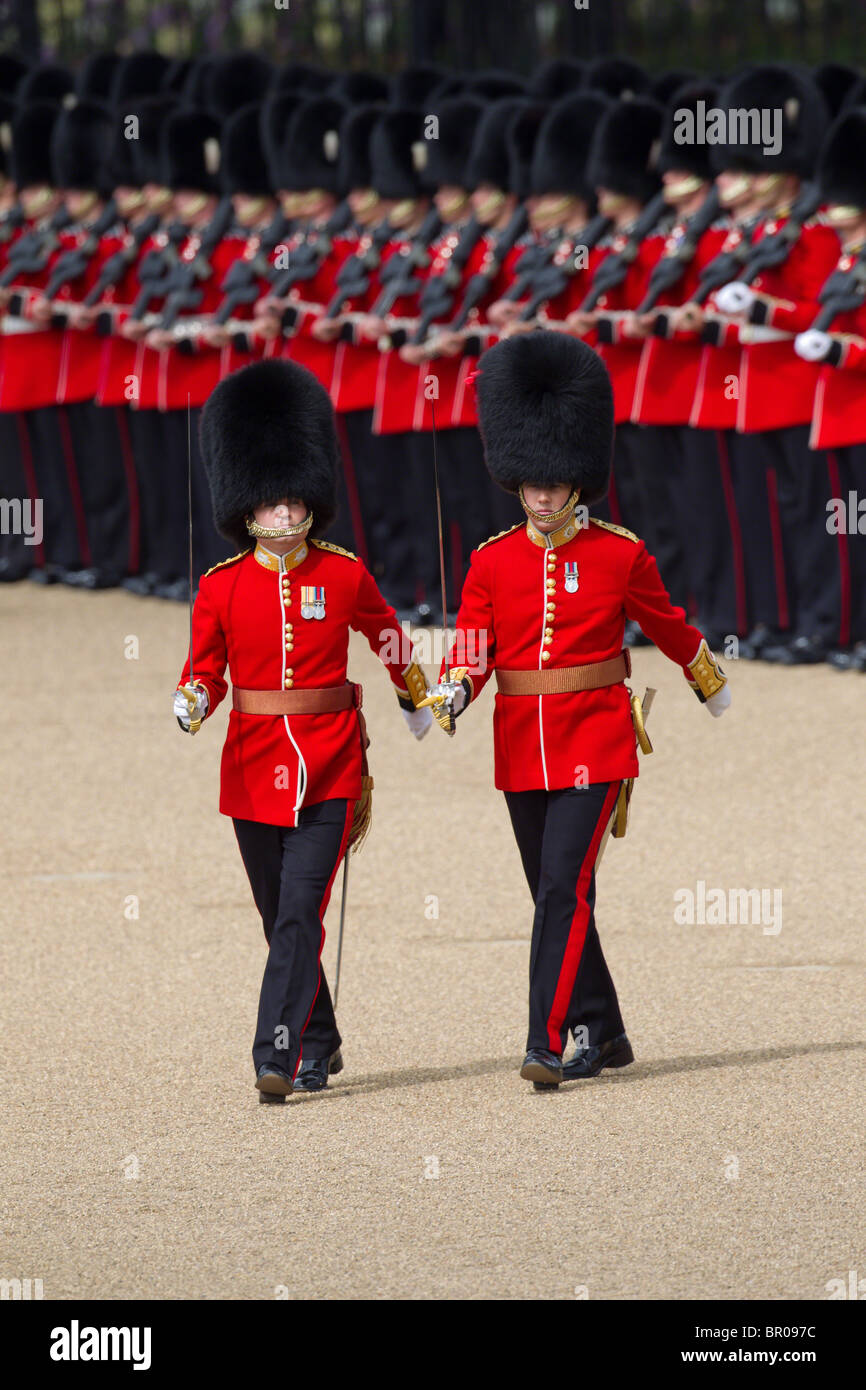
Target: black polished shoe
543, 1068
141, 584
313, 1072
752, 646
46, 574
91, 578
177, 591
802, 651
12, 571
848, 658
272, 1084
589, 1061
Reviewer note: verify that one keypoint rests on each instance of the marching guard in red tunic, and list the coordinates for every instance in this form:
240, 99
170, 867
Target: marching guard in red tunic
294, 776
544, 607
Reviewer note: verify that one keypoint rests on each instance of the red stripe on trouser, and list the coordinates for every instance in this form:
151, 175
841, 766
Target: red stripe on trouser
29, 475
736, 534
778, 552
844, 557
323, 907
577, 931
74, 486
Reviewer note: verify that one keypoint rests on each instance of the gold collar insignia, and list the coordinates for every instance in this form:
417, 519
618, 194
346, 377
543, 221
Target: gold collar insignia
269, 561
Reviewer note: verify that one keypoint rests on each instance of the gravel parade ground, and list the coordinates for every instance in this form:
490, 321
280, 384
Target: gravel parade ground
726, 1163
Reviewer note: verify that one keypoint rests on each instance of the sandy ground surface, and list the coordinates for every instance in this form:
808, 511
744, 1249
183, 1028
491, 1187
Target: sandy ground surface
136, 1160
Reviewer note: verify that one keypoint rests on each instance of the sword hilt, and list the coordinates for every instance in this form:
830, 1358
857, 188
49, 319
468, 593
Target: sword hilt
189, 693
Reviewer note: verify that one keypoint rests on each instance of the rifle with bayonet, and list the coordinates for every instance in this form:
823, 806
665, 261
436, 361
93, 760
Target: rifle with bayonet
439, 291
31, 253
480, 283
307, 258
552, 280
614, 268
182, 286
669, 270
73, 263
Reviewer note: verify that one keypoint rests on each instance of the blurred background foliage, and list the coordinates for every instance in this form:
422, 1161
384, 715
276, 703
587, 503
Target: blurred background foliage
385, 34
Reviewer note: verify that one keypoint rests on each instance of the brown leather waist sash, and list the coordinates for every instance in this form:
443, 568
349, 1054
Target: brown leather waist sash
591, 676
279, 702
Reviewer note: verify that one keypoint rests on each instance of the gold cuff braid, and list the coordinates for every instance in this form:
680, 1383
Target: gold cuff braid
416, 683
707, 674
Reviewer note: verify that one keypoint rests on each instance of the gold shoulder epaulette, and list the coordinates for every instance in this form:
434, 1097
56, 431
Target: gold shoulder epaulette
619, 530
337, 549
500, 534
233, 559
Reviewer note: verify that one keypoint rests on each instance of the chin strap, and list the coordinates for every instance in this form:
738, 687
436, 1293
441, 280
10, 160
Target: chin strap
550, 516
275, 533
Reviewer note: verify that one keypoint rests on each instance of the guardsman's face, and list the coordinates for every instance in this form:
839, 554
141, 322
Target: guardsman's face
846, 219
549, 499
38, 200
735, 188
365, 206
289, 511
452, 202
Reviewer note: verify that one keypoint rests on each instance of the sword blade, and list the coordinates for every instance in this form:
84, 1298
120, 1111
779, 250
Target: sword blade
189, 523
441, 541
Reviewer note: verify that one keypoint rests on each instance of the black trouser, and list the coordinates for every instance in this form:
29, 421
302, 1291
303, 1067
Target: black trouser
659, 469
791, 559
57, 482
291, 872
104, 482
558, 834
848, 474
18, 487
713, 544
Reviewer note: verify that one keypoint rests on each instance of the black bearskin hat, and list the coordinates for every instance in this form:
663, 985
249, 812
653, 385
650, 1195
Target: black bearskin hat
837, 82
80, 147
267, 432
842, 165
12, 70
521, 134
145, 152
196, 84
662, 88
616, 77
96, 77
235, 80
560, 77
415, 85
301, 79
139, 74
398, 153
7, 111
492, 85
624, 149
45, 82
243, 166
275, 117
190, 150
355, 170
448, 155
692, 156
30, 157
563, 145
771, 87
545, 413
309, 156
488, 157
354, 87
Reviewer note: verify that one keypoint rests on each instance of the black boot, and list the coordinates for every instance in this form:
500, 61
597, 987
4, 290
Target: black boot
272, 1084
313, 1072
589, 1061
543, 1068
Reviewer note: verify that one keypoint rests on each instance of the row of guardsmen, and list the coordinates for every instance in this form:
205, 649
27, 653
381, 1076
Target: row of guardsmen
164, 223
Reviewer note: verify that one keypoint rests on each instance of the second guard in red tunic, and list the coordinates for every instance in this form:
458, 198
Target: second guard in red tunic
294, 777
544, 607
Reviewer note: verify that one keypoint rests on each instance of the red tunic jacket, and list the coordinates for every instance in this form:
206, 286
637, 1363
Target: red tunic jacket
248, 616
518, 611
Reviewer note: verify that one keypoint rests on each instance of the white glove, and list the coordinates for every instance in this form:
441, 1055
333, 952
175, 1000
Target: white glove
453, 692
718, 703
420, 721
735, 298
813, 346
182, 710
